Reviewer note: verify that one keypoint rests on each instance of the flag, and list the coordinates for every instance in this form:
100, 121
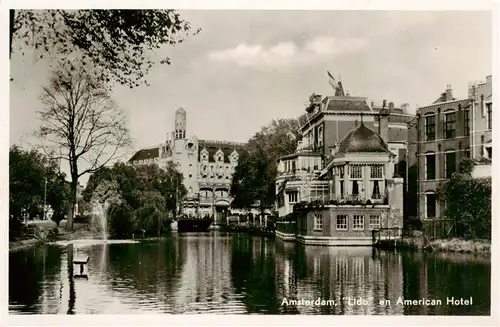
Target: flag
332, 81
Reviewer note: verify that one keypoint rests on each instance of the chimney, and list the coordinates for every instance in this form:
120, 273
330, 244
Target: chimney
405, 107
383, 122
372, 104
384, 104
448, 93
391, 106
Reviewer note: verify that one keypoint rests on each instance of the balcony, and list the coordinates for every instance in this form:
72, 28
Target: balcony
213, 199
354, 199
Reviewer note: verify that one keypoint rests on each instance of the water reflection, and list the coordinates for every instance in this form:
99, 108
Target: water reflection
223, 273
354, 278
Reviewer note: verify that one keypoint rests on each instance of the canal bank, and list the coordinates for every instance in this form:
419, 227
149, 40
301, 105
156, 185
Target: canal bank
418, 241
80, 231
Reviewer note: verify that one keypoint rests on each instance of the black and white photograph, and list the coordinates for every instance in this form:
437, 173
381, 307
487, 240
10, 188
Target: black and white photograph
239, 161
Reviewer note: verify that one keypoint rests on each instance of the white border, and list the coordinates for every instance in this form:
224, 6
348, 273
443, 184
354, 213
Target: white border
142, 320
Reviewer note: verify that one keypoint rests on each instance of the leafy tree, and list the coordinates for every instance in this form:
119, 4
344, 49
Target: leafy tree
116, 42
80, 120
28, 172
468, 200
277, 139
148, 194
254, 177
241, 186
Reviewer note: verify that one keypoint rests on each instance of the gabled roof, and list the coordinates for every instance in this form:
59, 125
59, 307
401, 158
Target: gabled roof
145, 154
362, 139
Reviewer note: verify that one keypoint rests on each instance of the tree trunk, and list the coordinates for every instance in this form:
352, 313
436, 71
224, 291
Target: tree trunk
72, 202
12, 13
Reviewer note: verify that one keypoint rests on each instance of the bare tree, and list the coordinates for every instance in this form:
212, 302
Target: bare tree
81, 121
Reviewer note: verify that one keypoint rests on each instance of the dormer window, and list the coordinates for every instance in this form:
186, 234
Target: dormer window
219, 156
204, 155
234, 157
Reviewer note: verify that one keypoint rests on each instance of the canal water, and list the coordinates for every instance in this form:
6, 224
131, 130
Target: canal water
236, 273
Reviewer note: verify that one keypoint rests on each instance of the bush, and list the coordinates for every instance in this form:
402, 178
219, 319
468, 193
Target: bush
121, 223
468, 201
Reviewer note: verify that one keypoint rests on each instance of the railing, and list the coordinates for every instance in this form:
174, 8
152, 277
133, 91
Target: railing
386, 234
349, 198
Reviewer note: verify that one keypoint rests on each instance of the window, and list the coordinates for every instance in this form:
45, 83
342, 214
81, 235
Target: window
450, 163
482, 105
376, 171
355, 188
430, 127
466, 122
489, 151
358, 222
430, 166
292, 197
320, 136
356, 172
374, 221
376, 190
190, 175
430, 202
318, 221
450, 121
341, 189
488, 113
467, 153
341, 222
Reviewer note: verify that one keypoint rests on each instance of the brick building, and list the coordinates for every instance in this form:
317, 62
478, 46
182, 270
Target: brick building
444, 132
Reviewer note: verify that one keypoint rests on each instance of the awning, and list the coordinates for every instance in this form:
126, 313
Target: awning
327, 168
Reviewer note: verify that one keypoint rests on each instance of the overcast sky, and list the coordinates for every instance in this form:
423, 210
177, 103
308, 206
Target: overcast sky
247, 67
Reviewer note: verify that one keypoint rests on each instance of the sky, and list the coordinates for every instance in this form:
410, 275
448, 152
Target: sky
246, 68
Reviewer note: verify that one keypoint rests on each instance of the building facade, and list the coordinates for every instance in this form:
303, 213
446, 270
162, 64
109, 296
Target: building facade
361, 193
327, 121
442, 134
207, 168
481, 101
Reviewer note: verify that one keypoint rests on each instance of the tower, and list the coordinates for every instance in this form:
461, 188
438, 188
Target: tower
180, 124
